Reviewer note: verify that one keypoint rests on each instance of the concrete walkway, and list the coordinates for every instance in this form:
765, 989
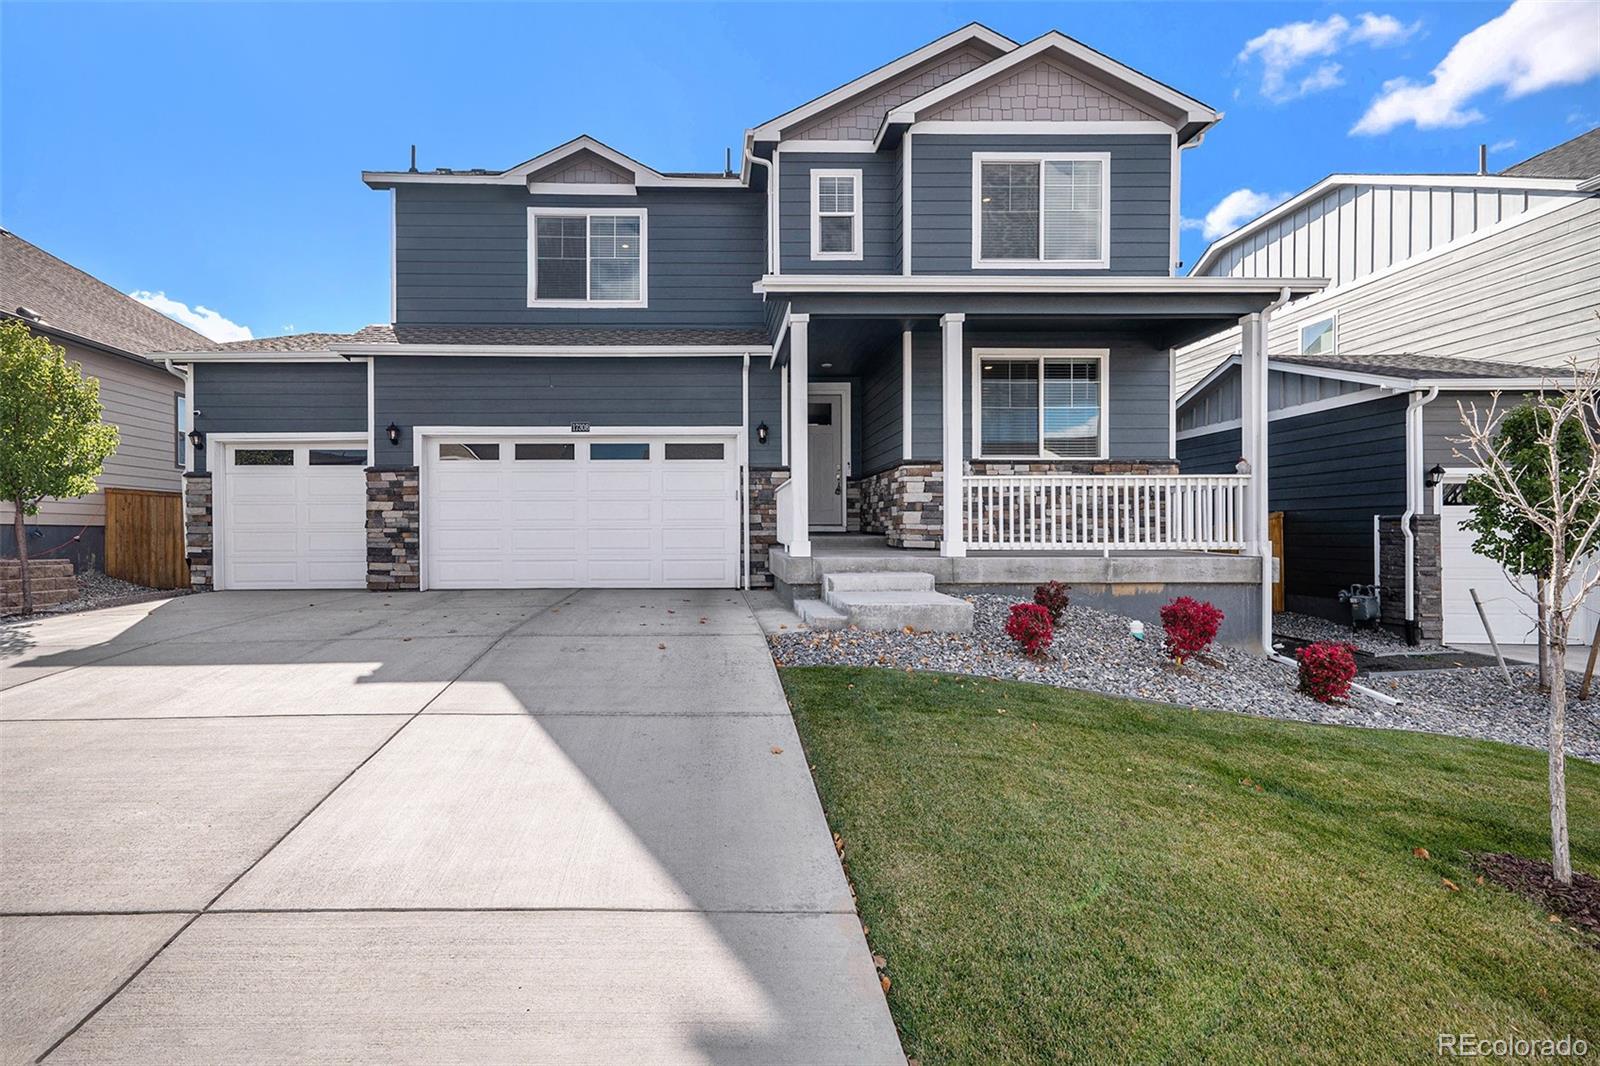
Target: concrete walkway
536, 826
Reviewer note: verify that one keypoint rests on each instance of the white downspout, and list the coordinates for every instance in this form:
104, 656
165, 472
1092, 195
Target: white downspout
772, 208
1263, 495
1414, 405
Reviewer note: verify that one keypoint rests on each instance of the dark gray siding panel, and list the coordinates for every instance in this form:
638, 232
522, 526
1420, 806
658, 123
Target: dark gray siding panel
471, 391
1329, 473
461, 254
1212, 453
280, 398
880, 179
1141, 204
766, 405
880, 436
1441, 420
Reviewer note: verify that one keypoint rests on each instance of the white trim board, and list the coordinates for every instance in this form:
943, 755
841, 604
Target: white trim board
964, 283
1328, 403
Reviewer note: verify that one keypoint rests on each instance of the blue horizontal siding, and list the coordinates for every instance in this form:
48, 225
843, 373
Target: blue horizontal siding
279, 398
880, 179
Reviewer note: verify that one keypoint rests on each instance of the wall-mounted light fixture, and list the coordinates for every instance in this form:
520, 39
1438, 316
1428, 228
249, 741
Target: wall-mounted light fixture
394, 433
197, 439
761, 433
1434, 477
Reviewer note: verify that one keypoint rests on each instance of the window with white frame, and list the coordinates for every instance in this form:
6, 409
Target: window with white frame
580, 257
1041, 210
1320, 337
836, 214
1041, 406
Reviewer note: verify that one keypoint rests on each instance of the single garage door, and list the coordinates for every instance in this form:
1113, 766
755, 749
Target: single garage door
636, 512
294, 516
1509, 612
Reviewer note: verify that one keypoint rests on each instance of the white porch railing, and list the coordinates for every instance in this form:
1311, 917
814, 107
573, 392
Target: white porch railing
786, 523
1052, 512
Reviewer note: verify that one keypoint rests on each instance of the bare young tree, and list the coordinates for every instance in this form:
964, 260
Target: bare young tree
1537, 513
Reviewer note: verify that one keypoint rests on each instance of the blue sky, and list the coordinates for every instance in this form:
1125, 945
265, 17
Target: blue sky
211, 152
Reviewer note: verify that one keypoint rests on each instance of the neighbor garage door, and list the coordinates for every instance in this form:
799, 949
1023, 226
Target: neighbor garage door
635, 512
294, 515
1509, 612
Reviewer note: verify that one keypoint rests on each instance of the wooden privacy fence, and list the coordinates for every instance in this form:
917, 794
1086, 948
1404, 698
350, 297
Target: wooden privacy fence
144, 538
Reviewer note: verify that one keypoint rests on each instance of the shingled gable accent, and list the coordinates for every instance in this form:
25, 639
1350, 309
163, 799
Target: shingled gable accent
583, 168
1042, 91
858, 119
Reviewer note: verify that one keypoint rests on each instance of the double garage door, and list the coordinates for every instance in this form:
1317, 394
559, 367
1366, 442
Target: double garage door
497, 512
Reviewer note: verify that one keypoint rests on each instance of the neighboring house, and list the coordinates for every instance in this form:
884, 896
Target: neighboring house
955, 272
109, 335
1465, 282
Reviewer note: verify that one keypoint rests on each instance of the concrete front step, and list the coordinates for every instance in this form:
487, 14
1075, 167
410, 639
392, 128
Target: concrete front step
819, 615
896, 609
876, 581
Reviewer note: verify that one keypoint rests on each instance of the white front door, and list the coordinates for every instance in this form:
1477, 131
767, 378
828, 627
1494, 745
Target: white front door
826, 416
628, 512
294, 515
1510, 613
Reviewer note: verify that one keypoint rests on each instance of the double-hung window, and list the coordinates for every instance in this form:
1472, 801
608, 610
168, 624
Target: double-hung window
1036, 405
1031, 210
836, 214
587, 257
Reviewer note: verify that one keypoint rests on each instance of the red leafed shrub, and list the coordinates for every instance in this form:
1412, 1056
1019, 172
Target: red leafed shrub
1326, 670
1029, 625
1191, 626
1052, 596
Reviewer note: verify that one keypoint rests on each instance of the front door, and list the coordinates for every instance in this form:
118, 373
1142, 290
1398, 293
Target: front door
826, 417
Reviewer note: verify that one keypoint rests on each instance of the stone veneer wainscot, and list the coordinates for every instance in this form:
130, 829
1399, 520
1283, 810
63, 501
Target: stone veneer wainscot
1427, 571
394, 522
764, 484
197, 543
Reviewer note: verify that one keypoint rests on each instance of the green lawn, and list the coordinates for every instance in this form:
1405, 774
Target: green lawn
1089, 879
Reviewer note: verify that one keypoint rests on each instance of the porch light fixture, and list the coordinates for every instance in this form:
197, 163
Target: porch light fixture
197, 439
1434, 477
394, 433
761, 433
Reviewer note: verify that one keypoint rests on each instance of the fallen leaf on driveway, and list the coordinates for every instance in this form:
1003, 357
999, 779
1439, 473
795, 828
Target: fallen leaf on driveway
662, 647
776, 750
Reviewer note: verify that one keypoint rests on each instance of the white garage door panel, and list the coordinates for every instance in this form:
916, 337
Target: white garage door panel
294, 525
508, 522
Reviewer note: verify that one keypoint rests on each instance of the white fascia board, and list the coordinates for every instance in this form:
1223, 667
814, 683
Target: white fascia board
1361, 377
861, 147
967, 283
1557, 381
1430, 181
1191, 109
643, 176
1200, 386
772, 129
566, 188
564, 351
253, 357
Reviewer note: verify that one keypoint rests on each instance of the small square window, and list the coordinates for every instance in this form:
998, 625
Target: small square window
545, 452
619, 451
263, 457
1319, 338
819, 414
469, 452
693, 451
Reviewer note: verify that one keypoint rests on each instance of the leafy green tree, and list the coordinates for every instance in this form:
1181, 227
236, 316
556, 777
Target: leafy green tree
52, 441
1537, 513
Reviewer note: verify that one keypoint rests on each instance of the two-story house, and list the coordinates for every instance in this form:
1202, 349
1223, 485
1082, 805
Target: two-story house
936, 305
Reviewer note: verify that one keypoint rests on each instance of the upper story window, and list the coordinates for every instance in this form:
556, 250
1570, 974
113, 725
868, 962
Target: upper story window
836, 214
1033, 210
587, 257
1320, 337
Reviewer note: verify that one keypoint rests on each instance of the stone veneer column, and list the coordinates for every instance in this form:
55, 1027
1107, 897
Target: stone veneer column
394, 520
1427, 572
197, 512
763, 521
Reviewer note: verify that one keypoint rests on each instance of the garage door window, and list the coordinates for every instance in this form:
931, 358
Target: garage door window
636, 452
1455, 495
545, 452
676, 452
263, 457
469, 452
338, 457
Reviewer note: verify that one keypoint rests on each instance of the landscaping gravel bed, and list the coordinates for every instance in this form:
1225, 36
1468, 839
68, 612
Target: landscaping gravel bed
1376, 641
97, 590
1093, 650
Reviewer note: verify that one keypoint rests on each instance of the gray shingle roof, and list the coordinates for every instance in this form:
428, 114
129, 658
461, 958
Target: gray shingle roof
494, 336
1408, 365
1577, 158
71, 301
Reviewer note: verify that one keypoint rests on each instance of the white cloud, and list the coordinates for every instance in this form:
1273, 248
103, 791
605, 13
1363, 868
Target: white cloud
1531, 46
1283, 49
1233, 210
1503, 146
202, 320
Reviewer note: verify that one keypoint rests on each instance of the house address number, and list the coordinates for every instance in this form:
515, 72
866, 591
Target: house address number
580, 427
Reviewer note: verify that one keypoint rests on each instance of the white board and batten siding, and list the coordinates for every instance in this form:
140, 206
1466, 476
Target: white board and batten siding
140, 401
1525, 292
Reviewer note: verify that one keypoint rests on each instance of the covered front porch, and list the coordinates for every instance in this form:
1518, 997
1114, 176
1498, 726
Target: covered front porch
1026, 429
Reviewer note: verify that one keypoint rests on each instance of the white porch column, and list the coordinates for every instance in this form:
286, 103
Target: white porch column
954, 542
1253, 441
905, 395
799, 427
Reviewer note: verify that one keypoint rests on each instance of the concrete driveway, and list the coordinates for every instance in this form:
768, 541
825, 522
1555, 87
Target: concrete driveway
539, 826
